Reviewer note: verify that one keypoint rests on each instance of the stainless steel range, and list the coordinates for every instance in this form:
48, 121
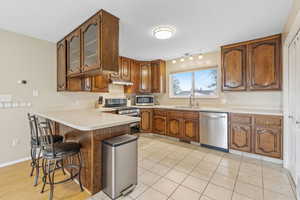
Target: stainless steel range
122, 109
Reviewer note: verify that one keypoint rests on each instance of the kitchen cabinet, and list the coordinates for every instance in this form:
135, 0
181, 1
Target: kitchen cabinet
90, 44
74, 84
145, 77
252, 65
91, 49
158, 76
135, 78
234, 68
73, 53
146, 120
159, 121
267, 136
259, 134
265, 65
174, 127
190, 130
125, 68
61, 66
100, 83
241, 132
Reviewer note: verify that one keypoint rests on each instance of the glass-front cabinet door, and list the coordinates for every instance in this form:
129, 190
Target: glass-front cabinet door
73, 53
90, 44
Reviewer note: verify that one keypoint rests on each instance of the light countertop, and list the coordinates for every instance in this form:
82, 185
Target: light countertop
87, 119
220, 108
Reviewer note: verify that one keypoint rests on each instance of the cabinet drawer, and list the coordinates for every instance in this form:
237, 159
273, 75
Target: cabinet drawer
175, 114
268, 121
190, 115
240, 118
160, 112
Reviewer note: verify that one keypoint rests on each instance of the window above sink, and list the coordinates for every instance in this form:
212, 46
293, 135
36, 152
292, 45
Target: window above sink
201, 83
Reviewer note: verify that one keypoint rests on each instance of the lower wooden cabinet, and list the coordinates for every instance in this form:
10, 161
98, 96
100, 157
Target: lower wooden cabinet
146, 120
260, 134
267, 141
159, 124
240, 137
174, 127
190, 129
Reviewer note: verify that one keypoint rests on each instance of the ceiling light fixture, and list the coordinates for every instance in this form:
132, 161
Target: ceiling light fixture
163, 32
173, 61
191, 58
182, 59
200, 56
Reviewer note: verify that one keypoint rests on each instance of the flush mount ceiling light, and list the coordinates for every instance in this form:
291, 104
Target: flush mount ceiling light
163, 32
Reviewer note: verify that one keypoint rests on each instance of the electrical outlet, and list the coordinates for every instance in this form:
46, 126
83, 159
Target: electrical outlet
15, 142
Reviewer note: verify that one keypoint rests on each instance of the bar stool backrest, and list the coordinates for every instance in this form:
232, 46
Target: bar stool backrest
34, 134
46, 137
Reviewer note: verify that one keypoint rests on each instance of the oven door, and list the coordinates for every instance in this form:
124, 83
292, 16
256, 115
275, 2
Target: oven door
144, 100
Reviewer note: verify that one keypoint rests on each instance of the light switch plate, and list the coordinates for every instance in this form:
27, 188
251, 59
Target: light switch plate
5, 97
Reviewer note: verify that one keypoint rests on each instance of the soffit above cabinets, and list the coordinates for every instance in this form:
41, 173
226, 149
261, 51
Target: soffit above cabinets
200, 25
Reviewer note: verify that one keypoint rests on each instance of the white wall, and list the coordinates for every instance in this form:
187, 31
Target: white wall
26, 58
271, 100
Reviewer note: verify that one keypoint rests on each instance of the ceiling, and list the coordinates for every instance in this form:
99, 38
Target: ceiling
202, 25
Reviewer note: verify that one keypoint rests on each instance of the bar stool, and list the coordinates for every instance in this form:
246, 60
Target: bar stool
35, 150
54, 153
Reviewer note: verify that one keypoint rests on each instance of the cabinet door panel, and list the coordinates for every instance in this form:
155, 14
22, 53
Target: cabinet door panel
159, 124
135, 78
61, 66
268, 141
240, 137
234, 69
73, 53
90, 44
125, 63
146, 120
265, 65
158, 76
145, 76
190, 130
100, 83
74, 84
174, 127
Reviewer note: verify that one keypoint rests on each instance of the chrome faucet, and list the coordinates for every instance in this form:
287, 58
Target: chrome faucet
192, 100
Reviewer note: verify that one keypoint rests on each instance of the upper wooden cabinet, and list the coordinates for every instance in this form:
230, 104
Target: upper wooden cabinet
158, 76
90, 44
265, 65
145, 77
61, 66
234, 68
135, 78
125, 68
253, 65
73, 53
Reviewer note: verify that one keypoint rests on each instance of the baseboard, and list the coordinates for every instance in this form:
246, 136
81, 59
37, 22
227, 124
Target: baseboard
14, 162
256, 156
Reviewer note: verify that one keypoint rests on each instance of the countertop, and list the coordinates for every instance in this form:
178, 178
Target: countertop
87, 119
220, 108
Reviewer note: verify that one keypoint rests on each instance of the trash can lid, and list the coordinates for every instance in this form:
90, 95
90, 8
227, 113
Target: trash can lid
120, 140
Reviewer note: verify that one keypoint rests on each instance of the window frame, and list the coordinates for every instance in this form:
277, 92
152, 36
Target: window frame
217, 95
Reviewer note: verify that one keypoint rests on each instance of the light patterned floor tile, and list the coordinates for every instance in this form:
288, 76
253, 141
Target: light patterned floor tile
251, 179
283, 188
231, 173
169, 162
160, 169
185, 193
140, 188
248, 190
152, 194
165, 186
149, 178
223, 181
202, 174
271, 195
217, 192
195, 184
237, 196
176, 176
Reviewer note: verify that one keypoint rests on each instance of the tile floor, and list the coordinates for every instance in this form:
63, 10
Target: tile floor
175, 170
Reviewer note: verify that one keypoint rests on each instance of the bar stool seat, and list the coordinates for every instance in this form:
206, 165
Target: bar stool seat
62, 150
56, 139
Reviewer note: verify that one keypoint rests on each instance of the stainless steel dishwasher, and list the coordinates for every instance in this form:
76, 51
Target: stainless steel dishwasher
214, 130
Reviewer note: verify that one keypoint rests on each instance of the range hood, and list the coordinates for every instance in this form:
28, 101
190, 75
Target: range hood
120, 82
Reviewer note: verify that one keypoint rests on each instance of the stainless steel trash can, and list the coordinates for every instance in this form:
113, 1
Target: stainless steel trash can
119, 165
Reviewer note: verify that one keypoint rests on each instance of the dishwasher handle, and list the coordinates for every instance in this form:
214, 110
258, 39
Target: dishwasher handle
214, 116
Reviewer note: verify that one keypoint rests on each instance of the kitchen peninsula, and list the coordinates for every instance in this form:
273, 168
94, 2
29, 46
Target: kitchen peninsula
89, 127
